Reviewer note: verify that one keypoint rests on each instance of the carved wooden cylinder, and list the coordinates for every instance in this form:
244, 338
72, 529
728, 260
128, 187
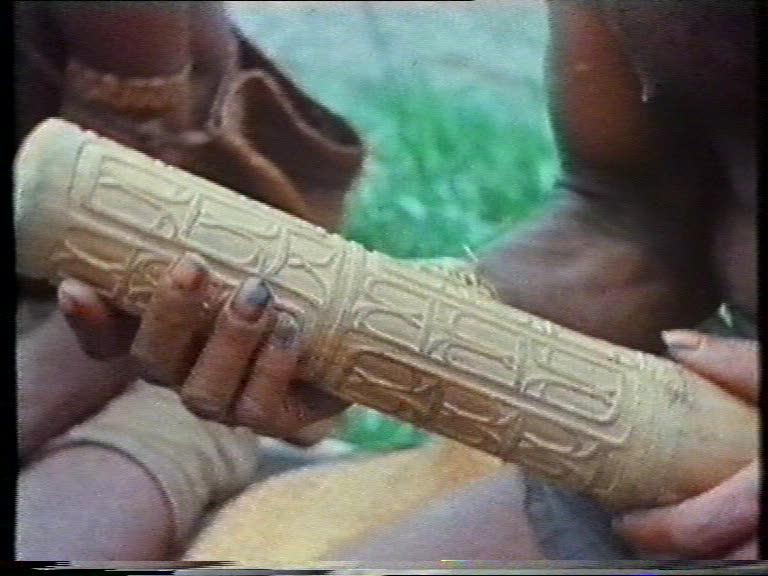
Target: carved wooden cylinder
627, 428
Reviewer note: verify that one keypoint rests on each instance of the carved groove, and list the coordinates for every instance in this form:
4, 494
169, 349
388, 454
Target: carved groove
414, 344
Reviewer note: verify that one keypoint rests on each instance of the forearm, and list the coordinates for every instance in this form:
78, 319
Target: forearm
58, 385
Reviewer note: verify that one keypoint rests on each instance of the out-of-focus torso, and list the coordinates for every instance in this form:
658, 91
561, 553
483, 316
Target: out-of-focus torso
699, 55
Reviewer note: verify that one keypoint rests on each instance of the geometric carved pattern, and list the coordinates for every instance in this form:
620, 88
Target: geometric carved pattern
417, 345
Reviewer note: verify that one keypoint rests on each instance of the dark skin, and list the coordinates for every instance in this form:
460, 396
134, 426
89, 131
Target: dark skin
612, 258
633, 250
656, 224
78, 359
245, 346
130, 39
624, 244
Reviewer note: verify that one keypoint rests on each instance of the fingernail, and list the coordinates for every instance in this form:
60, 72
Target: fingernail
251, 299
73, 301
682, 340
69, 305
79, 305
286, 332
188, 273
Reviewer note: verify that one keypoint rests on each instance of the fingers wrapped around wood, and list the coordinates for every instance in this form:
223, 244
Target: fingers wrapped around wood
705, 526
273, 402
101, 331
175, 323
238, 333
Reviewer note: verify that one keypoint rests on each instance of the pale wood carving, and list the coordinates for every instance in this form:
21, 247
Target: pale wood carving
627, 428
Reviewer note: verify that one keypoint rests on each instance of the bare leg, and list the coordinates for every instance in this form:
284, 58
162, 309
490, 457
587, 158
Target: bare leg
91, 503
83, 502
65, 388
485, 521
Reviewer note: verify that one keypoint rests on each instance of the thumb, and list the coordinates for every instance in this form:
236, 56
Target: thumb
730, 362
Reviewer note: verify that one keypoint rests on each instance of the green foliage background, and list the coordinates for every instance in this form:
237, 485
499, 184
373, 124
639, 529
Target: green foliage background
452, 106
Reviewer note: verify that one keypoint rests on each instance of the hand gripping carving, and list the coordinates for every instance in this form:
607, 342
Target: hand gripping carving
627, 428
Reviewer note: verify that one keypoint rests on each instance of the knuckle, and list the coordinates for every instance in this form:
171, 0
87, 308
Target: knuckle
293, 418
152, 369
154, 374
203, 406
252, 414
168, 305
270, 374
165, 290
142, 353
236, 331
301, 415
283, 427
249, 413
